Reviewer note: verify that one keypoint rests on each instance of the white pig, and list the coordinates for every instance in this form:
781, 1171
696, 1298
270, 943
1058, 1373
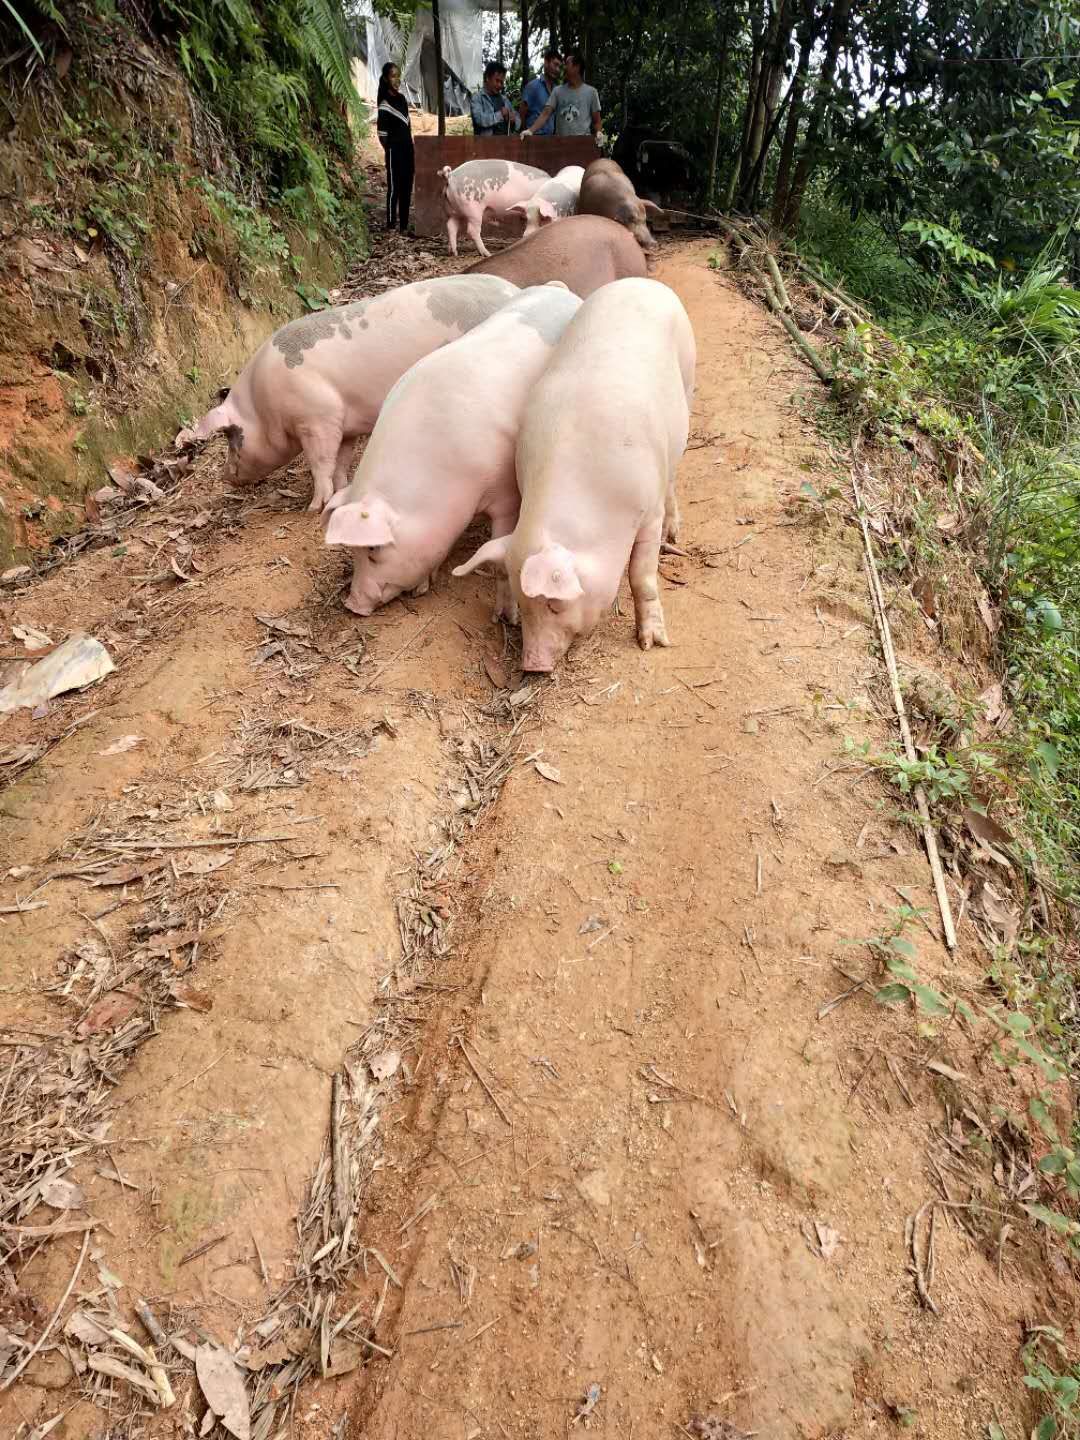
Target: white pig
319, 382
443, 450
602, 435
555, 199
481, 185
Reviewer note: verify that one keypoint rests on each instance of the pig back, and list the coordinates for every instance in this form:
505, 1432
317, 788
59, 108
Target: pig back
583, 251
604, 187
625, 367
358, 351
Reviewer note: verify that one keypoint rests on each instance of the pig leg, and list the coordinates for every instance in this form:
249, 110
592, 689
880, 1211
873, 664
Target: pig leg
672, 518
644, 559
322, 446
506, 607
476, 238
423, 587
452, 224
344, 460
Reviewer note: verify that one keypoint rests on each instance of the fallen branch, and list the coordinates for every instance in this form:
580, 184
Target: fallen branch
822, 370
885, 635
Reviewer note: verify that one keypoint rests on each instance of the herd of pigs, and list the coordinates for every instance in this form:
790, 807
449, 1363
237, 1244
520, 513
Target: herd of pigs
547, 388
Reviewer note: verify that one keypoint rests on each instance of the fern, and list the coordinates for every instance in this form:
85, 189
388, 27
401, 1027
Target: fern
328, 46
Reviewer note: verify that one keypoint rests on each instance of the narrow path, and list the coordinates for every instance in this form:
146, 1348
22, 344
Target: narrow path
640, 953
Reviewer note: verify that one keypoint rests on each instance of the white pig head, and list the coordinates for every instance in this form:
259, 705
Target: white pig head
537, 212
554, 605
382, 568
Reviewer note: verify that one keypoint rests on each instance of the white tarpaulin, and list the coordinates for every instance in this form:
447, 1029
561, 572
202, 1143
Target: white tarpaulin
463, 54
462, 48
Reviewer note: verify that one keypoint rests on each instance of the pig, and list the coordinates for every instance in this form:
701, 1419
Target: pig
553, 201
605, 190
443, 451
585, 251
319, 382
602, 435
481, 185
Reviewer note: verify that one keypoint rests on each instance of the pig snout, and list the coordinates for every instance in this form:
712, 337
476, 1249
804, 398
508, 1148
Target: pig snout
545, 636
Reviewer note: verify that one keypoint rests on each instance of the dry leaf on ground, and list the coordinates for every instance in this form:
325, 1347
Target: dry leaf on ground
223, 1386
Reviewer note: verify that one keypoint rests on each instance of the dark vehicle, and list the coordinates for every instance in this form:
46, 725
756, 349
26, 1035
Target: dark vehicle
659, 169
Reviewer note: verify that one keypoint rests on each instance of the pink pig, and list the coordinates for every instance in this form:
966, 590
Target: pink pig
555, 200
319, 382
443, 451
601, 438
481, 185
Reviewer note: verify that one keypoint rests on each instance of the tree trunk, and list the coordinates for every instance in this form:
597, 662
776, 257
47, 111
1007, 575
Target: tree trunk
752, 83
502, 32
808, 33
440, 85
526, 69
564, 25
808, 155
722, 38
768, 91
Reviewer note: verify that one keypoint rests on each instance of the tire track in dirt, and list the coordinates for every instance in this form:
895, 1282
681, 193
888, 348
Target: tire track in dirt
639, 956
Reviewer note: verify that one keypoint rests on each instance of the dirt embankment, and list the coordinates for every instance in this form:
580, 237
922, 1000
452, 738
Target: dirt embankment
134, 282
623, 1166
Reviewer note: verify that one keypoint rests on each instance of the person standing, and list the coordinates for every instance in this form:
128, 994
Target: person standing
491, 115
575, 105
538, 92
395, 135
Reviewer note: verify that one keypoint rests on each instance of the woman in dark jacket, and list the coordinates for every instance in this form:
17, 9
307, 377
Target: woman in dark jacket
395, 133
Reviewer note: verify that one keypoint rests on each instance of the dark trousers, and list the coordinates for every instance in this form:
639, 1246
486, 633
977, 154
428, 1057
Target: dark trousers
400, 167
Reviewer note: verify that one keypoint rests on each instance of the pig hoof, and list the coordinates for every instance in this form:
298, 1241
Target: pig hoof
652, 633
421, 589
319, 502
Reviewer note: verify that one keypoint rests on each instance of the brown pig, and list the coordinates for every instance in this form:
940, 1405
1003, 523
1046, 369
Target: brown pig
583, 251
606, 190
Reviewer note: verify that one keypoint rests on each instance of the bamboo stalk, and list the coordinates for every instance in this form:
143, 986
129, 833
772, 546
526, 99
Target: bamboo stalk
812, 355
778, 281
885, 634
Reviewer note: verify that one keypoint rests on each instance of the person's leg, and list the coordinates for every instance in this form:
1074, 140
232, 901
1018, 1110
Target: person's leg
405, 183
391, 192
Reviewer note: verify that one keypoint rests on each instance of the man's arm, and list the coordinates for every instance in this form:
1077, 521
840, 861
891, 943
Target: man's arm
481, 120
541, 119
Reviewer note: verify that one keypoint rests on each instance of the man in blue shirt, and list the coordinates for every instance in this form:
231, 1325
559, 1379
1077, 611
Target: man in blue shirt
537, 93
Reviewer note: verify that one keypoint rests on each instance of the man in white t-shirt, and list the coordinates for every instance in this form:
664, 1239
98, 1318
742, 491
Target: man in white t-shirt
575, 105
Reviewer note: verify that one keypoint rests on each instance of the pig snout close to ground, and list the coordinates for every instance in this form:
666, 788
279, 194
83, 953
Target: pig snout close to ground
606, 190
584, 251
481, 185
555, 200
443, 451
319, 382
601, 438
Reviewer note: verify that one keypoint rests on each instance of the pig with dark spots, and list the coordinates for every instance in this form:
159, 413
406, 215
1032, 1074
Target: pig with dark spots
601, 438
607, 191
555, 200
319, 383
443, 452
481, 185
584, 251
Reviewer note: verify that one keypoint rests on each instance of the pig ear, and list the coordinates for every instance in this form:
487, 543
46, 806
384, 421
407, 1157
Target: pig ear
360, 524
651, 208
494, 553
547, 211
551, 575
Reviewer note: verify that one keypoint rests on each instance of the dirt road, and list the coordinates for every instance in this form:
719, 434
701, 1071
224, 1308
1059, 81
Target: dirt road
614, 1142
